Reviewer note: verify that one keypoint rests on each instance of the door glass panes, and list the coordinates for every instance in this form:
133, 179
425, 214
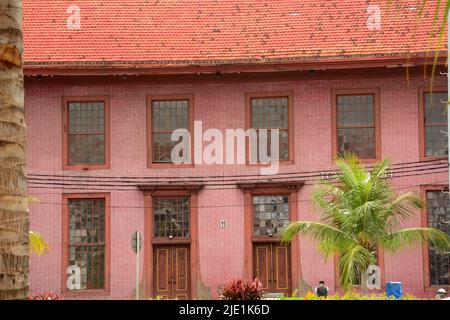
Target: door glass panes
270, 214
171, 217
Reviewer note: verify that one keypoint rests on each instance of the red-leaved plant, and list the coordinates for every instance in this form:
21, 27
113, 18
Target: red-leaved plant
46, 296
242, 290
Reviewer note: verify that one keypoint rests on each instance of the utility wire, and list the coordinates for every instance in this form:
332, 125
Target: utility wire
209, 206
429, 171
136, 184
90, 182
428, 162
205, 188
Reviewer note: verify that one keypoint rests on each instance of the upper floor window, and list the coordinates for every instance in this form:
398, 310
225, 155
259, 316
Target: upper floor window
438, 216
86, 143
272, 111
165, 116
172, 218
270, 214
356, 123
434, 140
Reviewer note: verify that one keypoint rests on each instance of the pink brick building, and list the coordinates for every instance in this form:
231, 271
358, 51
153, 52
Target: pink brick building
101, 100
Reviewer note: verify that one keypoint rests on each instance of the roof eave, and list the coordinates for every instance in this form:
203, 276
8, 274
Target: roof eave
229, 66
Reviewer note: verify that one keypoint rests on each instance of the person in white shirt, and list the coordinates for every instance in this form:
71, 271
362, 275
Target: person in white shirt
440, 294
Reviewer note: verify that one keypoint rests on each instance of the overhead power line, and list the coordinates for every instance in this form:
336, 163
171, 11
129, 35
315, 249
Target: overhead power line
211, 206
31, 175
143, 180
94, 187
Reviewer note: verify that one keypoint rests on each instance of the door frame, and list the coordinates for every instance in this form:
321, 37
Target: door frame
289, 188
167, 191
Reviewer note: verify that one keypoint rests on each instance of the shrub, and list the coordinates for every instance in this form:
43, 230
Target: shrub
46, 296
242, 290
349, 295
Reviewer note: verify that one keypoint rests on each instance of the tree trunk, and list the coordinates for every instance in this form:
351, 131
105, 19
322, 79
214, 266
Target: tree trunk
13, 201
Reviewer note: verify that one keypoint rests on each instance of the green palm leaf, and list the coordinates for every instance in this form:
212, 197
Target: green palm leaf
332, 238
402, 208
401, 239
353, 263
37, 243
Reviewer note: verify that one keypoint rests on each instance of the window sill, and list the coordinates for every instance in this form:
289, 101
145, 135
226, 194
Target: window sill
280, 162
157, 165
86, 167
363, 161
432, 158
86, 293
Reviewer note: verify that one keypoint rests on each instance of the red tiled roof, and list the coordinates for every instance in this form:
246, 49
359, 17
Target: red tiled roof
166, 32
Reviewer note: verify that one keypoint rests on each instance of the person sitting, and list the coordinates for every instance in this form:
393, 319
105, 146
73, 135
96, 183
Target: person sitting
321, 290
440, 294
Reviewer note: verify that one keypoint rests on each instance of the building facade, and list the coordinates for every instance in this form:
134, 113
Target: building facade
99, 161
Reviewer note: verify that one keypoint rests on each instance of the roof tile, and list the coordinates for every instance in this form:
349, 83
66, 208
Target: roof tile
198, 31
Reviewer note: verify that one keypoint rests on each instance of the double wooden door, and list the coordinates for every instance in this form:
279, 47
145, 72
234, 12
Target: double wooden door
272, 266
171, 271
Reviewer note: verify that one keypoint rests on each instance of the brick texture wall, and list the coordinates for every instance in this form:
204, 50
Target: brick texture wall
221, 106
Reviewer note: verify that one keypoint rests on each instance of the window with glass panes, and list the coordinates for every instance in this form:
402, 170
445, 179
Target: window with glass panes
271, 113
270, 214
172, 217
86, 132
86, 243
167, 116
438, 216
435, 124
356, 127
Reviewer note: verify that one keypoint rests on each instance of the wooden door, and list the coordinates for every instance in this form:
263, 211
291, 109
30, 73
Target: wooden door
281, 266
171, 272
272, 266
262, 265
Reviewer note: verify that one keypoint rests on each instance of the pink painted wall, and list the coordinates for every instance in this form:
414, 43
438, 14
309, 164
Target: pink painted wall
218, 105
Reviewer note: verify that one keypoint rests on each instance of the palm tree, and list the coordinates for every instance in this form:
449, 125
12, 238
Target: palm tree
360, 214
14, 251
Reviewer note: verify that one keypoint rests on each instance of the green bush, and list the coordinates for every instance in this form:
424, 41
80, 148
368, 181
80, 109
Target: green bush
349, 295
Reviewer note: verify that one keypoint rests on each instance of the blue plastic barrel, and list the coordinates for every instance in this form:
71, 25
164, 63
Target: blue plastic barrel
394, 289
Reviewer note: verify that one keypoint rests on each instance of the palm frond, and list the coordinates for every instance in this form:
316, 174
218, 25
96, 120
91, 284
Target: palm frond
37, 243
351, 170
333, 238
400, 239
379, 170
402, 208
353, 263
31, 200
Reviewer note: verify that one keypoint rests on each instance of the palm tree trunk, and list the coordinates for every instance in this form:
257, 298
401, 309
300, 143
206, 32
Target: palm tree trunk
13, 201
